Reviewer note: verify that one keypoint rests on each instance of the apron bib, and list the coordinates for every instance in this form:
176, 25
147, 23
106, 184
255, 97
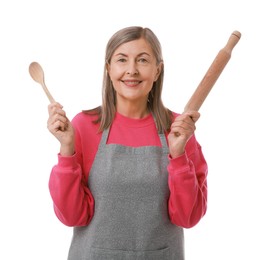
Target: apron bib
130, 222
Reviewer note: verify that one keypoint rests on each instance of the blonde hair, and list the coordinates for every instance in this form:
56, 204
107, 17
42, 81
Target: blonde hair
106, 112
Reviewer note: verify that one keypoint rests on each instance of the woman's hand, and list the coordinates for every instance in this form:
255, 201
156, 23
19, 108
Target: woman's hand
60, 126
181, 130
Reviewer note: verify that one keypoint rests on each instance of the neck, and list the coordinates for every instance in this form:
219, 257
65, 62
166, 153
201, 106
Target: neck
133, 111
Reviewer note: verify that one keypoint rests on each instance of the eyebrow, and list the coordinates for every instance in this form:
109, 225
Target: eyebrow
140, 54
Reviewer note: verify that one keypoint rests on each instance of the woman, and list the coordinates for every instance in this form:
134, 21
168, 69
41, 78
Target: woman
130, 173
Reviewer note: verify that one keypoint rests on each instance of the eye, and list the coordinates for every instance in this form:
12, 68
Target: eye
121, 60
142, 60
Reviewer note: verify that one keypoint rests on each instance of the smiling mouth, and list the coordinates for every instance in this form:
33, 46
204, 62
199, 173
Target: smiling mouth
131, 83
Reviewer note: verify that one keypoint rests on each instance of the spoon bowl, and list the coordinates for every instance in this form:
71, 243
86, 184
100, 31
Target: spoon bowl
37, 74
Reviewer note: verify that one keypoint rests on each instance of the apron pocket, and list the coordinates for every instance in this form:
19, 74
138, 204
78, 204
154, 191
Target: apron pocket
111, 254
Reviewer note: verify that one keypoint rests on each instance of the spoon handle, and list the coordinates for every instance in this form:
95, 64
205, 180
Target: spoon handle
48, 94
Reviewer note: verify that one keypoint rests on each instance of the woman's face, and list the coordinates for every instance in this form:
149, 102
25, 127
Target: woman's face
133, 70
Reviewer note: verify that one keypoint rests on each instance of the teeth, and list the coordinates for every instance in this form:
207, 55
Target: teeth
132, 82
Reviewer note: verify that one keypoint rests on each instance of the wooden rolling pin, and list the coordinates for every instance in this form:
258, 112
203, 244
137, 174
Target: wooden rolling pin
212, 74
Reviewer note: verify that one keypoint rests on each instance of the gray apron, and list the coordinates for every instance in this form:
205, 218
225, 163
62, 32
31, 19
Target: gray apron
130, 222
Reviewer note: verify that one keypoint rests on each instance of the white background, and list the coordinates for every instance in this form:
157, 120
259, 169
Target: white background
68, 39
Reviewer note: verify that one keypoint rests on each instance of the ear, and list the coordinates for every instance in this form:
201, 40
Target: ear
159, 70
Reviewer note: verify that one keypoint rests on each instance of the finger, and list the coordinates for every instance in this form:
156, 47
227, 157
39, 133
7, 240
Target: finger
184, 121
57, 111
181, 131
57, 126
54, 107
194, 115
56, 117
183, 128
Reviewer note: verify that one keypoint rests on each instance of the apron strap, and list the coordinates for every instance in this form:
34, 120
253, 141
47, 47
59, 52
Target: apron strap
162, 138
164, 143
104, 137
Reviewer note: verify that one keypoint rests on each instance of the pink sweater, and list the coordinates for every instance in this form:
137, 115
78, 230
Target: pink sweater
73, 201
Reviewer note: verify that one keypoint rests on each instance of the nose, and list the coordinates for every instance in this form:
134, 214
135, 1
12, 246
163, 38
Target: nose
132, 69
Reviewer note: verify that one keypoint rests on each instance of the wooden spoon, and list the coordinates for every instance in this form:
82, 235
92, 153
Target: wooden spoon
37, 74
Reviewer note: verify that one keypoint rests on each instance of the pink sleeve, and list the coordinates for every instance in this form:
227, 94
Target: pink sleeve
73, 201
188, 187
